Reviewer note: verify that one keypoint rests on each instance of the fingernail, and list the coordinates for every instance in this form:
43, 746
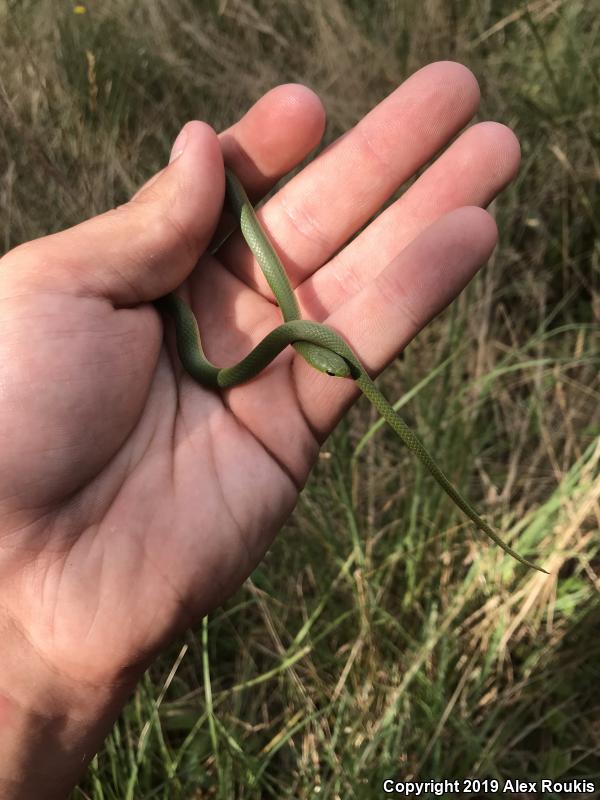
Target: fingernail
178, 145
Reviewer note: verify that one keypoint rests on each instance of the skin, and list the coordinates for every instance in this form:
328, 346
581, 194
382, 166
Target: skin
128, 493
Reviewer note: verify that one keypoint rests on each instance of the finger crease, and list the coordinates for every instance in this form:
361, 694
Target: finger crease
305, 224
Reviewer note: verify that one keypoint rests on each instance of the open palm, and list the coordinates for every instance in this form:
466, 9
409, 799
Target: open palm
132, 499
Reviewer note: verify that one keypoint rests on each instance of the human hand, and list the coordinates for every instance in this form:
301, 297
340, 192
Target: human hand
133, 500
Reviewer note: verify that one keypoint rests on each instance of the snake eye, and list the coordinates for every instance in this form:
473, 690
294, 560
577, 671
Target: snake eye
331, 372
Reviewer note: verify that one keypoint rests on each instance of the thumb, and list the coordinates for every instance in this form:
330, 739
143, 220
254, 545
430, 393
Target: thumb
145, 248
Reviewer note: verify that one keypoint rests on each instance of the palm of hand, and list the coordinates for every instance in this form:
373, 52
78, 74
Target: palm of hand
157, 497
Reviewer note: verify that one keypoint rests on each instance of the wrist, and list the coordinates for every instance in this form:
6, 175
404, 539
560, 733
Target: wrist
50, 727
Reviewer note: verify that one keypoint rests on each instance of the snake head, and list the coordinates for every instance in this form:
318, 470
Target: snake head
331, 364
323, 359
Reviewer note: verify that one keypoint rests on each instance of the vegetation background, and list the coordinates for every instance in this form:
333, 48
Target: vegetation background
381, 636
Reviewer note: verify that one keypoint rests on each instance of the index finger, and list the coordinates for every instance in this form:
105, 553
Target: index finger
270, 139
273, 136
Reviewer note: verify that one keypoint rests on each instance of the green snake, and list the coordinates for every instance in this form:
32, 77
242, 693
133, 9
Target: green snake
318, 344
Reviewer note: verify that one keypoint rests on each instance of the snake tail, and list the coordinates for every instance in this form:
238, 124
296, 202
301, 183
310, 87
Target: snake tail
416, 446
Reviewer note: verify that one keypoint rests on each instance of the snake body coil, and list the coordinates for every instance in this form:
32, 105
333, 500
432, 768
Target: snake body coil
321, 346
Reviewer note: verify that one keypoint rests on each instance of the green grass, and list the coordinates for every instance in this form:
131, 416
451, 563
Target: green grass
381, 636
